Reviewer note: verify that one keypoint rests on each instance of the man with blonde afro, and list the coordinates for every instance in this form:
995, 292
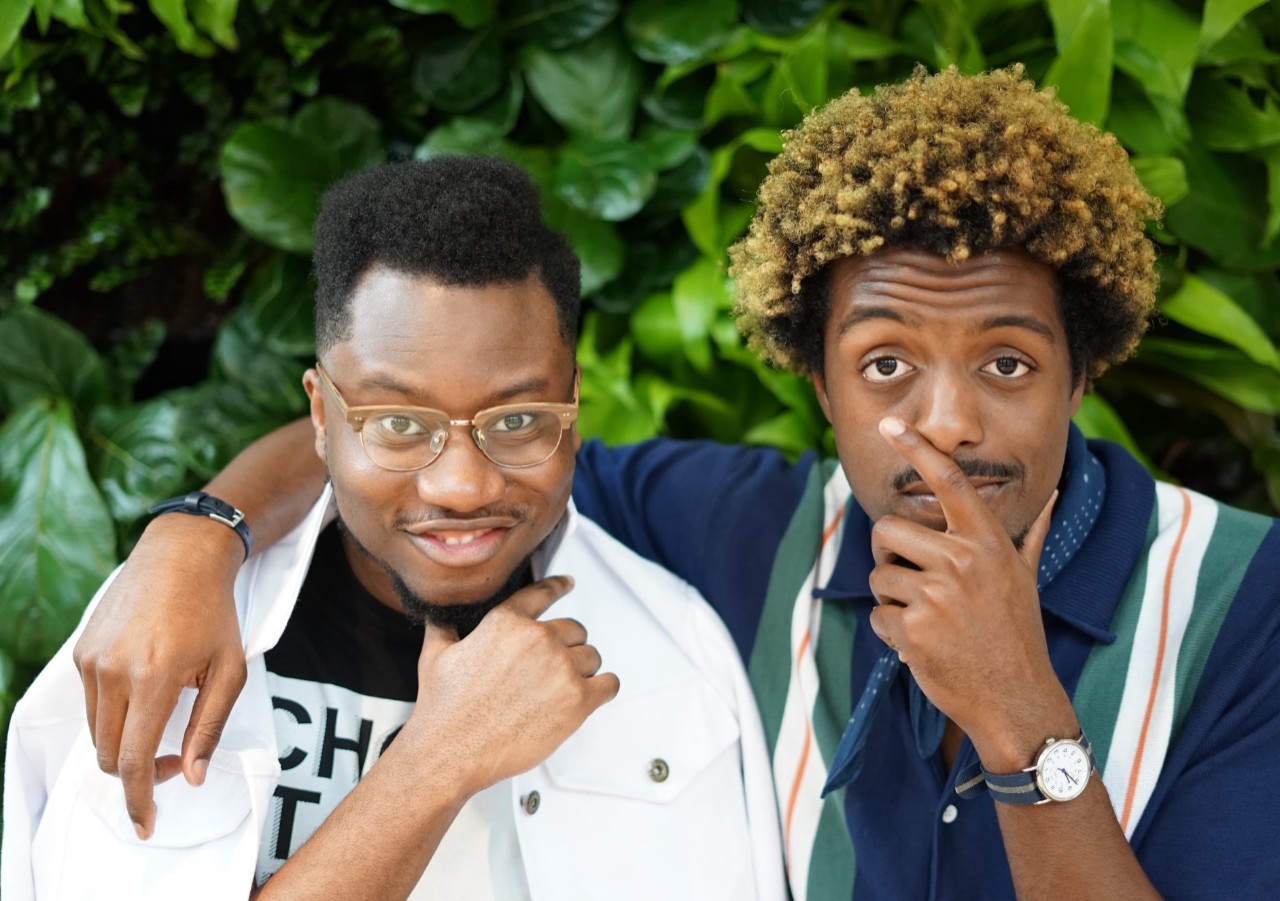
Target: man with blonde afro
993, 659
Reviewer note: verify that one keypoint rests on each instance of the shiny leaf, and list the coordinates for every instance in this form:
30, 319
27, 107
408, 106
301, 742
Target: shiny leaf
1225, 211
596, 243
674, 33
57, 540
1163, 176
610, 180
273, 175
561, 24
13, 15
780, 16
42, 356
1097, 419
1082, 71
216, 18
1225, 371
173, 13
1223, 117
591, 88
457, 70
280, 297
1220, 16
136, 457
1200, 306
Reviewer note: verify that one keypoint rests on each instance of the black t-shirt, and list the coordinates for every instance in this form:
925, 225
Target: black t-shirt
343, 679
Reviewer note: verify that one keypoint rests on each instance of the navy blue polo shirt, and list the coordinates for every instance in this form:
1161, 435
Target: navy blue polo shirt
715, 516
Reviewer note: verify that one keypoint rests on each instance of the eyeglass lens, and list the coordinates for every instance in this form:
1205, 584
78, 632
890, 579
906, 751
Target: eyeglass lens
406, 440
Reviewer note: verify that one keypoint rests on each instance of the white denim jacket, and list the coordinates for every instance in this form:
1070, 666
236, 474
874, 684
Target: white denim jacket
605, 828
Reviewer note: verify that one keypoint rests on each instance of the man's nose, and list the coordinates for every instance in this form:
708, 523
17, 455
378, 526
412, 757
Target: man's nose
462, 478
949, 410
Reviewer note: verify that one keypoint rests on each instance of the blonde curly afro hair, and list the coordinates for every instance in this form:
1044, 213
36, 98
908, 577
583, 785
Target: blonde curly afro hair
957, 165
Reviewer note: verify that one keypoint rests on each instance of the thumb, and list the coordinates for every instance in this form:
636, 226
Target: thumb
1033, 543
435, 641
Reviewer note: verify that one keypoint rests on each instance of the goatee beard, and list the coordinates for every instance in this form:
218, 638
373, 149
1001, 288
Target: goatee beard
461, 618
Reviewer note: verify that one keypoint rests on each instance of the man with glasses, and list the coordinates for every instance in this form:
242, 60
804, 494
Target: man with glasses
364, 751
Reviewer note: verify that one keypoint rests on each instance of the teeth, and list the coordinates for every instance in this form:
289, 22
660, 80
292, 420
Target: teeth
454, 540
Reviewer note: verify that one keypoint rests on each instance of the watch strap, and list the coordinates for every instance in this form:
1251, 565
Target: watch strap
1010, 788
201, 503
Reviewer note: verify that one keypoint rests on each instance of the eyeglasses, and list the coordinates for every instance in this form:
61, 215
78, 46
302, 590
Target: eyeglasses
403, 439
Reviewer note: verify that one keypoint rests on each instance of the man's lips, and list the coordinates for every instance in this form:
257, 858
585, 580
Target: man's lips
461, 543
921, 496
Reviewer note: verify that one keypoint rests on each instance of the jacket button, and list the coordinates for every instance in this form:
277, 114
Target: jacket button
531, 802
658, 770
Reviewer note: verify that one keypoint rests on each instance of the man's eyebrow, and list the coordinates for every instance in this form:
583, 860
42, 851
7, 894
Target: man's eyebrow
859, 315
1030, 323
533, 385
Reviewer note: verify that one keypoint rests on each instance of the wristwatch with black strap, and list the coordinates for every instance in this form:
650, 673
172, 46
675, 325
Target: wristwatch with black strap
1060, 773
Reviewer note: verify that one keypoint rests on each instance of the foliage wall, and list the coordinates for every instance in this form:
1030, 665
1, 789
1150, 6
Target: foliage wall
160, 166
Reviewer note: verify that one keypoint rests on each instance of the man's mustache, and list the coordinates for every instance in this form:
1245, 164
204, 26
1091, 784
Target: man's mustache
972, 467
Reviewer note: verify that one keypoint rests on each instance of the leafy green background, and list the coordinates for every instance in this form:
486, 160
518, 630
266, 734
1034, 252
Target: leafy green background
160, 165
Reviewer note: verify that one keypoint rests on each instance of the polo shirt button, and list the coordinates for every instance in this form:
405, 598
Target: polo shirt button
949, 813
658, 770
531, 802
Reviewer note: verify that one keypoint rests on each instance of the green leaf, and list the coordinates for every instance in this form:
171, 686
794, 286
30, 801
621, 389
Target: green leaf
280, 298
136, 457
173, 13
1157, 43
667, 147
503, 110
780, 16
805, 69
672, 33
1220, 16
1271, 156
57, 541
13, 15
273, 175
458, 71
1225, 371
217, 419
462, 135
467, 13
131, 356
1223, 117
1225, 211
596, 243
591, 89
699, 296
1082, 71
656, 330
1200, 306
243, 355
610, 180
560, 24
42, 356
1098, 419
1163, 176
216, 18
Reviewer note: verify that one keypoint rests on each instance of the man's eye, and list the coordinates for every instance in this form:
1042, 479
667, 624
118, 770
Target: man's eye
885, 369
1007, 367
399, 425
513, 422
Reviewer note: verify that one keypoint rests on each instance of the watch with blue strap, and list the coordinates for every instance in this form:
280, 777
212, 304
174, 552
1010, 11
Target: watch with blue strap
1061, 773
201, 503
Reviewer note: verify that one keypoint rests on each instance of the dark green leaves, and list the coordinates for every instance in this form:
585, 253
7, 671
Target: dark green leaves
273, 174
41, 356
467, 13
57, 541
591, 88
609, 179
673, 33
459, 70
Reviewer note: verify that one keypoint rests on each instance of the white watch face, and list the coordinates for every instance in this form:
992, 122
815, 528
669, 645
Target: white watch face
1063, 771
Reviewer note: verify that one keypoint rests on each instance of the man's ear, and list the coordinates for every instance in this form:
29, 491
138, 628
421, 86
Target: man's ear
1076, 396
315, 394
820, 390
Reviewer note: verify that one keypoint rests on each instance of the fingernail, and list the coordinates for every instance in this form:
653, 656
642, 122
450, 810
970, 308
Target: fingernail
201, 769
141, 831
892, 425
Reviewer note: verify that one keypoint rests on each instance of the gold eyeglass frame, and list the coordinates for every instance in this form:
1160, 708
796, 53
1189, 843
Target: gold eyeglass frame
356, 417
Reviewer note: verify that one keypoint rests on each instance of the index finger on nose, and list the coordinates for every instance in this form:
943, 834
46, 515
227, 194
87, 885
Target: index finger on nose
961, 505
